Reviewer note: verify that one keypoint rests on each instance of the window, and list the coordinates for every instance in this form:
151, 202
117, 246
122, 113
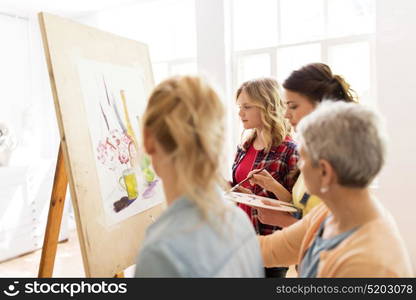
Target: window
293, 57
14, 74
162, 70
254, 30
283, 35
168, 27
301, 20
352, 60
255, 65
275, 37
350, 17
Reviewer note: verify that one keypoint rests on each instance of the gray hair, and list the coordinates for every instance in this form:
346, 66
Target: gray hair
351, 137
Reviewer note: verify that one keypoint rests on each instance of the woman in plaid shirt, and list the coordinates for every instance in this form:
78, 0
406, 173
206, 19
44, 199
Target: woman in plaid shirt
268, 145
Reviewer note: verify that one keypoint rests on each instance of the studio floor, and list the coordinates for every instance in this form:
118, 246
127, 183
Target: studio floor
68, 262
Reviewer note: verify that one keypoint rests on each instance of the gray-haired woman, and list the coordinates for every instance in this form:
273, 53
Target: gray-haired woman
342, 149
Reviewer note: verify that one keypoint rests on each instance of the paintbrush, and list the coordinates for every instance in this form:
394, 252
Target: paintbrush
249, 177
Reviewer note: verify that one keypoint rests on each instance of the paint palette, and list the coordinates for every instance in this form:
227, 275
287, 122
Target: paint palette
259, 202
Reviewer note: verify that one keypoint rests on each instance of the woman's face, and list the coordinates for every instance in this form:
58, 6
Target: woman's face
249, 113
310, 173
297, 106
155, 151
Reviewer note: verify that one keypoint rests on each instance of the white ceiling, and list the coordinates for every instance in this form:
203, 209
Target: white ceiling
69, 8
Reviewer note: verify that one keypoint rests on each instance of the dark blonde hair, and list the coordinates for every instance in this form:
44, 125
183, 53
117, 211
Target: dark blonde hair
186, 116
265, 94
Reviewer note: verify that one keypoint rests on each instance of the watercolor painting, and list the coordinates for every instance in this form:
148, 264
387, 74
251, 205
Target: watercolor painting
115, 98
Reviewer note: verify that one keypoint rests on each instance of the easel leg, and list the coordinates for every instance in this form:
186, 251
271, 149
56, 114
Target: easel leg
53, 225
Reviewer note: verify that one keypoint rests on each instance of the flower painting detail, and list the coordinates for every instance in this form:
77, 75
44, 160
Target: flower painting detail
114, 98
115, 149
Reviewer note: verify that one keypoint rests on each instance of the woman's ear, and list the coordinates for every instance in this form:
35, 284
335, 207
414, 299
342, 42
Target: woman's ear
328, 175
149, 142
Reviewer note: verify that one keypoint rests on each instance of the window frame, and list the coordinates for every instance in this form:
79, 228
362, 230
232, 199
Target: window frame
325, 42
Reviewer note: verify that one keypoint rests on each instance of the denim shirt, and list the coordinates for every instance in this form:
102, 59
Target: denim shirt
310, 262
181, 244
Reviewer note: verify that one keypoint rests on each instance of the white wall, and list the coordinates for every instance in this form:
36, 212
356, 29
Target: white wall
396, 92
27, 107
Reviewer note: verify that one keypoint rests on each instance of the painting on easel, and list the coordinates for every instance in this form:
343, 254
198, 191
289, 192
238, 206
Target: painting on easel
114, 98
100, 83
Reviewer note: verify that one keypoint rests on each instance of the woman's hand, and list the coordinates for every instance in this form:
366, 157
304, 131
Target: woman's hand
241, 189
267, 182
263, 179
274, 217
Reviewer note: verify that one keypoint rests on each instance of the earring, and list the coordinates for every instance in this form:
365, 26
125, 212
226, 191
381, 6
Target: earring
323, 190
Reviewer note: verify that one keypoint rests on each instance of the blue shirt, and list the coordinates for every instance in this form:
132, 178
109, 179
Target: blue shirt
182, 244
310, 262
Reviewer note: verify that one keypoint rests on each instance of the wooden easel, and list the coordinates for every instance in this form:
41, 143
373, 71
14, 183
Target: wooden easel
53, 225
76, 164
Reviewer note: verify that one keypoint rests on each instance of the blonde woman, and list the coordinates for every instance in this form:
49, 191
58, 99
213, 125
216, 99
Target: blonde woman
350, 234
183, 135
268, 146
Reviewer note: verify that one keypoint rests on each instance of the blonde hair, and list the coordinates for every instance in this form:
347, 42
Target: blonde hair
265, 94
186, 116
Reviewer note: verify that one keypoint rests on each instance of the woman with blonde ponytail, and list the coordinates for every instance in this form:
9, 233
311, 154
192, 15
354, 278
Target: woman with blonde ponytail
183, 134
268, 146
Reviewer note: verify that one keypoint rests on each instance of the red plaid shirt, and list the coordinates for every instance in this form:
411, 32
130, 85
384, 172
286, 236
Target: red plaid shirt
284, 169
